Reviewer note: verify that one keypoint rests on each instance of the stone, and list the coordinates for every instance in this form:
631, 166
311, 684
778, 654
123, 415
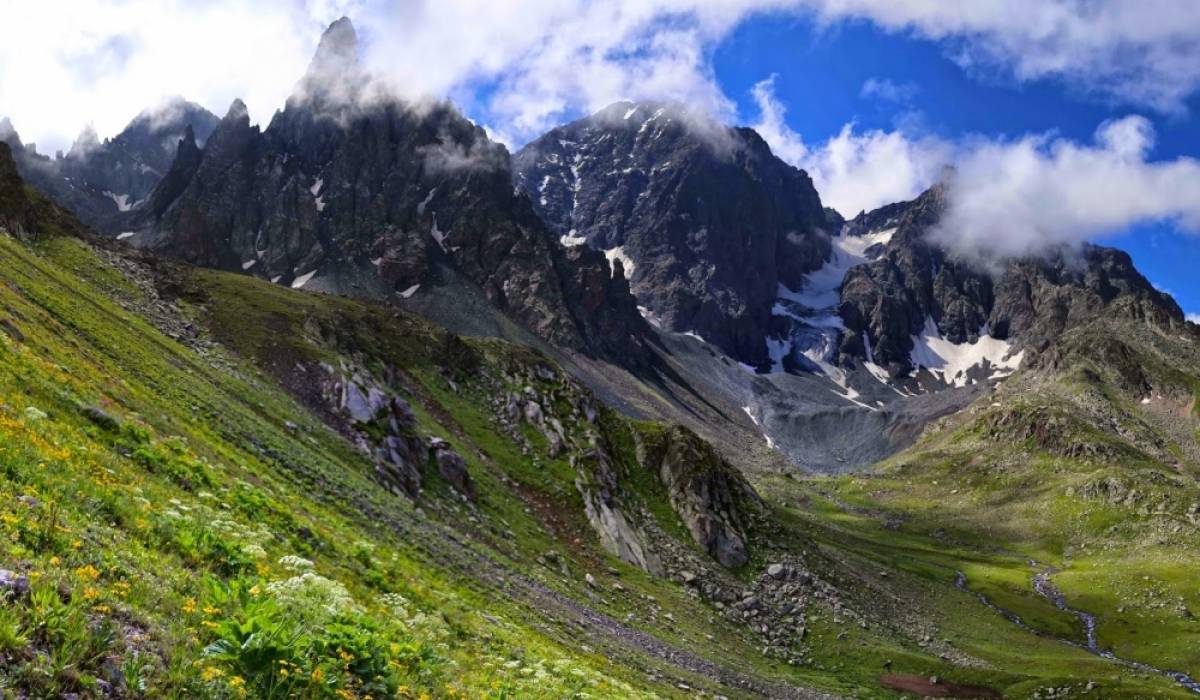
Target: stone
101, 418
12, 584
453, 468
777, 571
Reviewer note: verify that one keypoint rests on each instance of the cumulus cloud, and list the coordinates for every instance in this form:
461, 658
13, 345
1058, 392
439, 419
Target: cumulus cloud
523, 65
102, 62
1194, 318
1021, 197
1006, 197
854, 170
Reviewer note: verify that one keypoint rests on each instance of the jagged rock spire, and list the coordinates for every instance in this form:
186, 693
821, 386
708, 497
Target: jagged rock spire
337, 52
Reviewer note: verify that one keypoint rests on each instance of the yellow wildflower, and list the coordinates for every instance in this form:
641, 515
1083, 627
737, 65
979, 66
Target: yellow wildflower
87, 572
317, 675
55, 561
210, 610
189, 606
211, 673
90, 593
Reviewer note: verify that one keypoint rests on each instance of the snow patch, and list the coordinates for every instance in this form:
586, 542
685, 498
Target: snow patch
650, 316
121, 200
410, 291
630, 112
815, 308
618, 253
276, 278
952, 361
302, 279
572, 239
249, 264
438, 234
123, 236
320, 204
316, 187
425, 202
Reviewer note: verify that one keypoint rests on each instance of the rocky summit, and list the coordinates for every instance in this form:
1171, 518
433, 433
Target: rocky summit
705, 221
352, 404
352, 192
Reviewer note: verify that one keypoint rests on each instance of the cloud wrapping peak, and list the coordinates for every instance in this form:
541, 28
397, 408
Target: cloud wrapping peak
1012, 198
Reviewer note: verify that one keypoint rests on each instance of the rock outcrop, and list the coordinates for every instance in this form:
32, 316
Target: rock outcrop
705, 222
352, 191
26, 212
706, 492
601, 488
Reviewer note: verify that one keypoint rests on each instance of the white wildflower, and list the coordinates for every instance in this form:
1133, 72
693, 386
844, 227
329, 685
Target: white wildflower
291, 562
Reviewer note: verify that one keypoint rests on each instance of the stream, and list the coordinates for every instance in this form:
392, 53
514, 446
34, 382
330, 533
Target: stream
1044, 586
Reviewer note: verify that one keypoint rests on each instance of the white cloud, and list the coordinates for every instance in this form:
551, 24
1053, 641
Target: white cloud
854, 170
526, 64
1139, 52
884, 89
1194, 318
1024, 196
1006, 197
102, 62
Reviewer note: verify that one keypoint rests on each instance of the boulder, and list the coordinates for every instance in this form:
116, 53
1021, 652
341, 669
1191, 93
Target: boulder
452, 467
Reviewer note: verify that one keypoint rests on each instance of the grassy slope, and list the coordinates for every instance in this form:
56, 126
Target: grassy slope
144, 539
134, 534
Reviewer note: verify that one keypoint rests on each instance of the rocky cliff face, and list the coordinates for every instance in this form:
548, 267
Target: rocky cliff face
704, 220
98, 181
26, 212
888, 303
354, 192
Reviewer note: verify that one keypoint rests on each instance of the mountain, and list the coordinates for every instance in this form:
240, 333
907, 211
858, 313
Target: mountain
707, 223
355, 192
914, 290
97, 181
895, 300
861, 464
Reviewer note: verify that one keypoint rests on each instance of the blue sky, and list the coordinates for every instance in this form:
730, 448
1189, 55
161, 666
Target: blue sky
820, 75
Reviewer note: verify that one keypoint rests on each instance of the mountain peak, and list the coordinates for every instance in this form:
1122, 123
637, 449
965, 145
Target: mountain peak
237, 110
85, 143
337, 52
8, 133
